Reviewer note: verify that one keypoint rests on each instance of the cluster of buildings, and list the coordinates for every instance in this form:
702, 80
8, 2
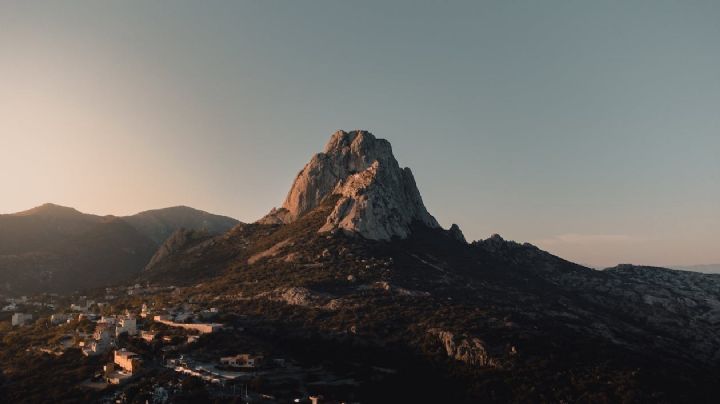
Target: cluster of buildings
109, 327
96, 327
106, 330
23, 308
45, 300
226, 369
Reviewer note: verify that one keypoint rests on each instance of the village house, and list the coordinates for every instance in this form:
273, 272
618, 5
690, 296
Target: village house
162, 317
108, 320
58, 318
93, 348
242, 361
102, 340
82, 305
148, 336
124, 365
128, 361
21, 318
87, 316
108, 370
126, 324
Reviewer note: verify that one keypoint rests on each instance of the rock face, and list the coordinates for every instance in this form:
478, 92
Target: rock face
470, 350
378, 200
178, 240
456, 233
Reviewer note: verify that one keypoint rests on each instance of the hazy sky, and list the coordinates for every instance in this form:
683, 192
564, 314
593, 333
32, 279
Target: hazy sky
589, 128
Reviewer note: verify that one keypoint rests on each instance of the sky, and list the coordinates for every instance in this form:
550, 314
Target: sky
591, 129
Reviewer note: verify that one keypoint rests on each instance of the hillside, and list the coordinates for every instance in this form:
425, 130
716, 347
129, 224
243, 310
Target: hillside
32, 229
508, 321
489, 321
52, 248
158, 224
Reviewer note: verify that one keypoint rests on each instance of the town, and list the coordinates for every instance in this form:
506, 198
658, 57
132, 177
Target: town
130, 337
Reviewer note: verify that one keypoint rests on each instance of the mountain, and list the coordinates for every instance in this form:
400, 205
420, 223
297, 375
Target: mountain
342, 270
378, 199
29, 230
159, 224
52, 248
179, 240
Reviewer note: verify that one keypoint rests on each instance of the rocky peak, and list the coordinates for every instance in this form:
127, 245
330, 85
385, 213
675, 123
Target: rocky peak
456, 233
50, 209
378, 199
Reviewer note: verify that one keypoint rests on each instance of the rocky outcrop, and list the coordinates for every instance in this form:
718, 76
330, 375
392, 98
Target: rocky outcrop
470, 350
304, 297
377, 199
178, 240
276, 216
456, 233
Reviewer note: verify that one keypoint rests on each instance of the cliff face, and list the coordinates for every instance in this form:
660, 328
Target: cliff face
181, 238
378, 200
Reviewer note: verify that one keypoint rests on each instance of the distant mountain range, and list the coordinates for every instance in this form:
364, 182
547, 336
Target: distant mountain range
53, 248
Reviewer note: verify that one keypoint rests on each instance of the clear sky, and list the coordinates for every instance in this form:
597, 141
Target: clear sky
591, 128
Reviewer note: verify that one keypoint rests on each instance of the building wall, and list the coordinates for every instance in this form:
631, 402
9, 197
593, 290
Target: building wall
201, 328
129, 363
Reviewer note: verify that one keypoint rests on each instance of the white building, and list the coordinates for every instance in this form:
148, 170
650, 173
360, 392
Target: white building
108, 320
93, 348
21, 318
128, 325
102, 340
82, 305
58, 318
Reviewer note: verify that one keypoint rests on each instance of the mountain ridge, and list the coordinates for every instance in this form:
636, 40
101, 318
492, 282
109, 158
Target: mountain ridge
57, 248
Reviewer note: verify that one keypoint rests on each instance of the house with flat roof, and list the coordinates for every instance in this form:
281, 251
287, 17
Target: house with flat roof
242, 361
126, 360
126, 324
21, 318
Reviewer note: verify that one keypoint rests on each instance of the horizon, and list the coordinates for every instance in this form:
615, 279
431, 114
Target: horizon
588, 131
709, 267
